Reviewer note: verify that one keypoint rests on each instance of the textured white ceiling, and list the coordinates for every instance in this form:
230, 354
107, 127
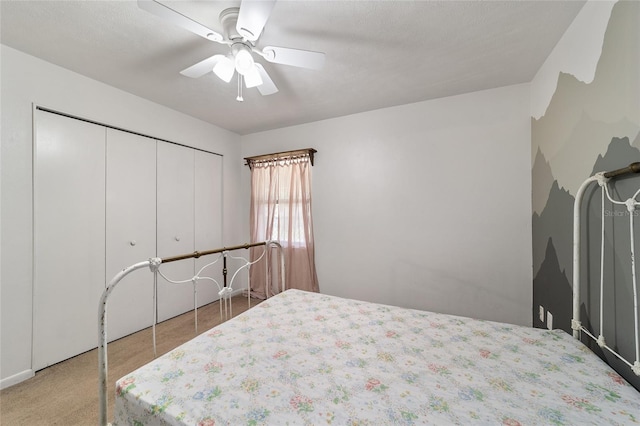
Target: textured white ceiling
378, 53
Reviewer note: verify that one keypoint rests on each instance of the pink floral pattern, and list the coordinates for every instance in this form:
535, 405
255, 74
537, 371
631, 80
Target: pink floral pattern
306, 358
301, 403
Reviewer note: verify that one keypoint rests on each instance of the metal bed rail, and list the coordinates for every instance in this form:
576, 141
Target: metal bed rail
153, 264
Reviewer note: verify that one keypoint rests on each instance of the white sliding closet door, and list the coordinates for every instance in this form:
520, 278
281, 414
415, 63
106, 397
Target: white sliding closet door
175, 231
208, 221
69, 239
130, 230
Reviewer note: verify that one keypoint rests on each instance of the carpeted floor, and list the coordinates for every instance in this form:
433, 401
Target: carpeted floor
67, 393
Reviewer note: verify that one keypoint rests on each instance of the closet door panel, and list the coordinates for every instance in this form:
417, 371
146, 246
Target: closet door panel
69, 242
130, 229
175, 229
208, 221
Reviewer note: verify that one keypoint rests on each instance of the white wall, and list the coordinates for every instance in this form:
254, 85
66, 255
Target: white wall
26, 81
426, 205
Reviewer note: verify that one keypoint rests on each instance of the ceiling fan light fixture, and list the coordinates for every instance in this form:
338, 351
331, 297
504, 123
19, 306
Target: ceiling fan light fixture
224, 69
243, 61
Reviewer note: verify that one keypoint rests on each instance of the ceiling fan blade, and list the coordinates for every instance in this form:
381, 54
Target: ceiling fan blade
267, 87
179, 19
252, 78
202, 67
252, 17
294, 57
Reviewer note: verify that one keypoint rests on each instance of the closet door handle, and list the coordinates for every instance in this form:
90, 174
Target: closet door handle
177, 238
132, 243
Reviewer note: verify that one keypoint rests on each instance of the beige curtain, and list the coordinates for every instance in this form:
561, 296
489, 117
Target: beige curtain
281, 211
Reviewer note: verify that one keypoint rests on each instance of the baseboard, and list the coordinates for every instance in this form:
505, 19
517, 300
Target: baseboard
16, 378
237, 292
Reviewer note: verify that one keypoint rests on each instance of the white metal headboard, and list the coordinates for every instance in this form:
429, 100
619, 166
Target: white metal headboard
632, 204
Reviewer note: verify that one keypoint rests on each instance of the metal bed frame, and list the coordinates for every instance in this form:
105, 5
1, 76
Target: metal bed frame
154, 264
632, 204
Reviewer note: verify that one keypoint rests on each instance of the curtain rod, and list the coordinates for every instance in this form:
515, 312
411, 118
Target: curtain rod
631, 168
276, 155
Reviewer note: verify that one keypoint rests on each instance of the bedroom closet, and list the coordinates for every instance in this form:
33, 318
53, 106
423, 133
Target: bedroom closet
104, 199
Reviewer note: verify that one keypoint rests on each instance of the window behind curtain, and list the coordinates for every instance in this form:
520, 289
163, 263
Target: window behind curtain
281, 211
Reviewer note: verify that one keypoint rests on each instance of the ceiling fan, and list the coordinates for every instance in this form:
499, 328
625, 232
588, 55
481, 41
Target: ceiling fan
242, 28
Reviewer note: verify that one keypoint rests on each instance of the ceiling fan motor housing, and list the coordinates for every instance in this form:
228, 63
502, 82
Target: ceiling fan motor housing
228, 19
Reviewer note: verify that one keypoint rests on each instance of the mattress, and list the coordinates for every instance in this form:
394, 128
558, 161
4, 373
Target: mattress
303, 358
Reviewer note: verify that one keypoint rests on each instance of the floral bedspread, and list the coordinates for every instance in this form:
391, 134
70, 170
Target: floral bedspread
303, 358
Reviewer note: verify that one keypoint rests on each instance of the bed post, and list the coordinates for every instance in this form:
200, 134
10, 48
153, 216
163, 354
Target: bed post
277, 245
575, 321
102, 337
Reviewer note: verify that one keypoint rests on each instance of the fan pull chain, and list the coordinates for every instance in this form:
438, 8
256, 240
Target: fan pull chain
239, 98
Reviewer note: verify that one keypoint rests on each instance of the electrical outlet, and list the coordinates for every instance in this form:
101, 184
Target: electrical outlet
549, 320
541, 313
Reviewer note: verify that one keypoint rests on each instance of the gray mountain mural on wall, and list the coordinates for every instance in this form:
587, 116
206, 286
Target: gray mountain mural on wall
582, 117
542, 176
588, 128
551, 279
555, 221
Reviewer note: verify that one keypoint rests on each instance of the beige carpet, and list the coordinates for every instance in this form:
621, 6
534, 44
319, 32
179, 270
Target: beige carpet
67, 393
